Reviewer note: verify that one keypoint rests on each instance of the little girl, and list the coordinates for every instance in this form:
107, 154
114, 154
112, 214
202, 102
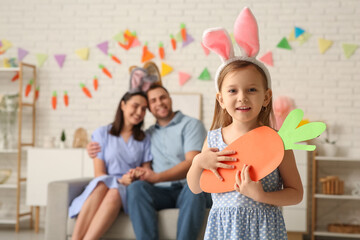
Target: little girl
243, 104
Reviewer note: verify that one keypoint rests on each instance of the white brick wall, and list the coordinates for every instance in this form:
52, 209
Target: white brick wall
325, 86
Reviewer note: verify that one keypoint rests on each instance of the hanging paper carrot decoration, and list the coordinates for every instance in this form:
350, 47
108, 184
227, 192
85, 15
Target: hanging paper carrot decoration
37, 93
28, 88
161, 50
95, 83
173, 42
114, 58
85, 90
183, 32
66, 98
16, 77
105, 71
54, 100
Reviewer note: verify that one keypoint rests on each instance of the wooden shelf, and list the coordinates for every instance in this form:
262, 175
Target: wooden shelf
340, 159
342, 197
333, 234
11, 69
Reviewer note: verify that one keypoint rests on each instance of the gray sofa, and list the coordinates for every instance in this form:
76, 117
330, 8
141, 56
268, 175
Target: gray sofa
58, 226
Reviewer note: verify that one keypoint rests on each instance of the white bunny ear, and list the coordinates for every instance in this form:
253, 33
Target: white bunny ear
137, 79
246, 33
218, 41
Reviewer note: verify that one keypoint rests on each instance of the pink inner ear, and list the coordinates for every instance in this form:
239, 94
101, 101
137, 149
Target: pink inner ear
246, 32
219, 42
136, 78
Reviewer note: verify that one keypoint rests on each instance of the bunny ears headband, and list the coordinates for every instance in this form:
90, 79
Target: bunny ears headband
141, 78
246, 36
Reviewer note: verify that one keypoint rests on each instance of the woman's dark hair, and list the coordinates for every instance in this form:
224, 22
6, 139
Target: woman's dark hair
118, 123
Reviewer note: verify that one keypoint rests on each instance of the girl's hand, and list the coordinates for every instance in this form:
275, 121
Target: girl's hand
246, 186
126, 179
136, 173
212, 159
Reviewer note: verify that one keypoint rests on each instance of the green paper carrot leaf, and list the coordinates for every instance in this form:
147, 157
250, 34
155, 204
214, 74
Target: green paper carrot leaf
290, 134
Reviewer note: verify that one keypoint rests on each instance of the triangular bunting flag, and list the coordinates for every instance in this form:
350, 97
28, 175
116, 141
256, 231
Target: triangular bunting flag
83, 53
268, 59
165, 69
349, 49
284, 44
189, 39
136, 43
41, 58
119, 37
104, 46
60, 59
324, 45
5, 45
206, 50
183, 78
292, 35
178, 37
298, 32
146, 55
22, 53
205, 75
303, 38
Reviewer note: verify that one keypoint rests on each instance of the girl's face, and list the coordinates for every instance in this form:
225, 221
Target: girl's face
134, 109
243, 95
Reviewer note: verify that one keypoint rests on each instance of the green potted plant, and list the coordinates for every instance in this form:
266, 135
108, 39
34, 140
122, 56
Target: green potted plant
63, 139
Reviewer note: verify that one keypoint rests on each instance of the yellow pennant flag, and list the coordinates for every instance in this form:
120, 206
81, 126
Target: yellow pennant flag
83, 53
165, 69
324, 45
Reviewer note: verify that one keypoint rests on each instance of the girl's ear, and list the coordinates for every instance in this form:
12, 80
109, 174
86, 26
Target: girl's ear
268, 96
220, 100
122, 105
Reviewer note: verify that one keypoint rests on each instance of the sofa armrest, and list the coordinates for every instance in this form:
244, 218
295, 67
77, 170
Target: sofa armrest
60, 195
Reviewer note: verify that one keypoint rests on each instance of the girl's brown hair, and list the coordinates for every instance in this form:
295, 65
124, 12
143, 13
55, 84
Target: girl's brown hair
221, 116
118, 123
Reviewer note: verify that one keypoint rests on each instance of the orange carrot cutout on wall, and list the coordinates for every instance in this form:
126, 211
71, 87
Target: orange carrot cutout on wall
95, 83
54, 100
66, 98
183, 32
85, 90
28, 88
114, 58
146, 55
173, 42
16, 77
37, 93
105, 71
161, 50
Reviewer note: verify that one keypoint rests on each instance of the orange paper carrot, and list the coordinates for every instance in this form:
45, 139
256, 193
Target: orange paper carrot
105, 71
161, 51
85, 90
37, 93
66, 98
173, 42
54, 100
16, 77
114, 58
183, 31
28, 88
95, 83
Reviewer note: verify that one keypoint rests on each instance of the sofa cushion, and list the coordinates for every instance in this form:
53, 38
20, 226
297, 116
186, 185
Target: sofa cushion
122, 227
